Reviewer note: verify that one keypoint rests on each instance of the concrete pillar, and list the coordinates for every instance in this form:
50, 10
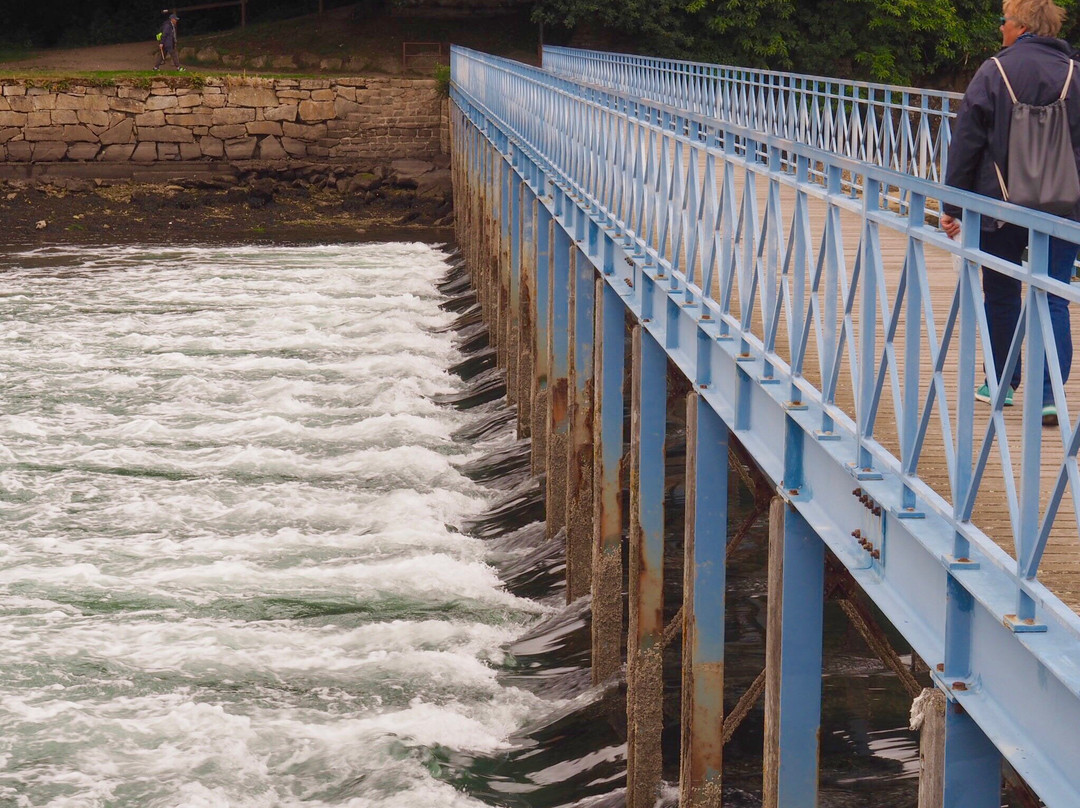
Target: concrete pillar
539, 392
644, 693
558, 405
793, 660
704, 581
928, 717
607, 603
579, 471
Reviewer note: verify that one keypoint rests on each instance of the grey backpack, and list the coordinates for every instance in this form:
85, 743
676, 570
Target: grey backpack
1042, 164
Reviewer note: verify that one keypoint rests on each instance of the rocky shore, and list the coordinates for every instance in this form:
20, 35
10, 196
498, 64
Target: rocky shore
237, 203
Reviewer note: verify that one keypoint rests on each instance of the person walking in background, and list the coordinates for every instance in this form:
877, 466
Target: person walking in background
1033, 67
167, 43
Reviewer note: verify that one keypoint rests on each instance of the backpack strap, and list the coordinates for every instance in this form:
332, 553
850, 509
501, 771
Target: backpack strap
1008, 86
1068, 81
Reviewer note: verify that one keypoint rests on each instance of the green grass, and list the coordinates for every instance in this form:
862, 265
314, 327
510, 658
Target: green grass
10, 53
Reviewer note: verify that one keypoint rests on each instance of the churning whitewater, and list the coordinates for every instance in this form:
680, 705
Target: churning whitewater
229, 574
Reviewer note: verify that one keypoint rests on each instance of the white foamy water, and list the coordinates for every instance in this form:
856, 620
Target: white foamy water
228, 575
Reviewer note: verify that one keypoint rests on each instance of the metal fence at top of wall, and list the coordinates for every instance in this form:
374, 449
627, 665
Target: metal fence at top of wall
903, 128
884, 346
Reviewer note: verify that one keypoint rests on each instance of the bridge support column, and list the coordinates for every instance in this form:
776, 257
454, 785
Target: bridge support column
579, 470
539, 392
793, 660
607, 587
644, 675
704, 580
512, 253
563, 253
527, 322
972, 777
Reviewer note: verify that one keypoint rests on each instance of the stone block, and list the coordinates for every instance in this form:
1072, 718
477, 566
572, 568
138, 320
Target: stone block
44, 133
19, 151
93, 117
214, 101
122, 132
136, 93
68, 101
14, 89
117, 153
343, 107
156, 118
282, 112
284, 63
292, 95
79, 134
168, 151
252, 97
155, 102
241, 148
21, 103
120, 104
46, 101
303, 132
47, 151
208, 56
311, 111
5, 105
294, 147
190, 120
145, 153
190, 151
264, 128
83, 151
189, 101
165, 134
228, 132
95, 102
270, 148
9, 134
211, 146
314, 84
39, 119
13, 118
323, 95
231, 115
68, 116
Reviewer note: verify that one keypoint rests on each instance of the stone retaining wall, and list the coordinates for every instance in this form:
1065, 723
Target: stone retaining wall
346, 119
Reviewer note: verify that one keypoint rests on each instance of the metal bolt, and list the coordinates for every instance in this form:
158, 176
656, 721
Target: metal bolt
857, 534
941, 667
793, 491
875, 554
857, 492
877, 510
959, 686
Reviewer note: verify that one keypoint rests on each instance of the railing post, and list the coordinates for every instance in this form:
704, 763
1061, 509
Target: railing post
579, 472
607, 581
793, 660
644, 669
704, 579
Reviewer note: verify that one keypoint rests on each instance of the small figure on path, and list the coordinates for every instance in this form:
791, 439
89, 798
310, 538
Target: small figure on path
167, 43
1032, 68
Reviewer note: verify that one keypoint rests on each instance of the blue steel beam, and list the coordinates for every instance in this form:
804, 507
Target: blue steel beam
1023, 689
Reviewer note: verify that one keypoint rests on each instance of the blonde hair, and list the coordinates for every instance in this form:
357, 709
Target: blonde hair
1040, 17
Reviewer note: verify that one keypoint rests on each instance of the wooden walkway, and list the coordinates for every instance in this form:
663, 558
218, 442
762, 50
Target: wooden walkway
1060, 567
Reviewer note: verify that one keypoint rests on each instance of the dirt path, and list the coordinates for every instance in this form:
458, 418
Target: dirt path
127, 56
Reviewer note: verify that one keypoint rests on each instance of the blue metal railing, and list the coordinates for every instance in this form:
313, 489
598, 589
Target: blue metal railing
906, 129
840, 333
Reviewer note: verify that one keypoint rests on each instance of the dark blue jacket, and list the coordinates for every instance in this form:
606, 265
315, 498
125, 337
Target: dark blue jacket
168, 35
1036, 67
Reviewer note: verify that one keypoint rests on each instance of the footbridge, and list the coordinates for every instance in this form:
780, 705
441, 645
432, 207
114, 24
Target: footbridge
765, 247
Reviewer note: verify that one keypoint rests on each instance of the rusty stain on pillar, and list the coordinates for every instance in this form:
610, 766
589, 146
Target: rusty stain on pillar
607, 582
545, 234
704, 575
646, 610
526, 327
512, 236
559, 348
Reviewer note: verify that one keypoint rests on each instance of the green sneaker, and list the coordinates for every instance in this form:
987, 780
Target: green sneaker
1049, 415
982, 393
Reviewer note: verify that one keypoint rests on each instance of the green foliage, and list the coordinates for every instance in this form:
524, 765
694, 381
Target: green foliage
938, 42
442, 80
